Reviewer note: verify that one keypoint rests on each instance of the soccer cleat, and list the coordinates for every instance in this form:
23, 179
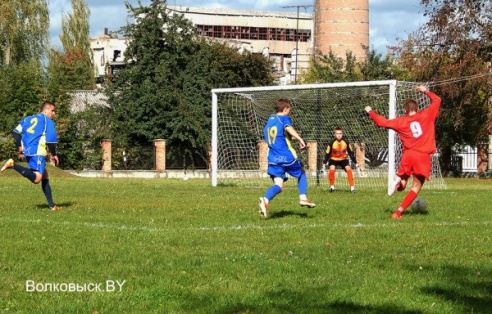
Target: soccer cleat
393, 187
263, 207
352, 189
307, 203
55, 208
8, 164
332, 189
396, 215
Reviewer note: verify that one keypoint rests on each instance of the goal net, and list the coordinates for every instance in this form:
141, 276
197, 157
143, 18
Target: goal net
239, 152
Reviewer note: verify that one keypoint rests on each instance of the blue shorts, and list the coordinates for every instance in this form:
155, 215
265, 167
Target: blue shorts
279, 171
36, 163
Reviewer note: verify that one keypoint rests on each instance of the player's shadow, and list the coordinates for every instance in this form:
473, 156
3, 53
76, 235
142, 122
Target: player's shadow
62, 205
286, 213
407, 213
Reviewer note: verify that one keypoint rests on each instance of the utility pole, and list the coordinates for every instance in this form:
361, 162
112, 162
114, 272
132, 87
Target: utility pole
297, 34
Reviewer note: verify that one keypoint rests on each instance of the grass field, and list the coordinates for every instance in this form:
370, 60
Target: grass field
179, 246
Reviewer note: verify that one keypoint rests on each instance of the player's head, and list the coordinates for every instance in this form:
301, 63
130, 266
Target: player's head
48, 109
282, 104
410, 105
338, 133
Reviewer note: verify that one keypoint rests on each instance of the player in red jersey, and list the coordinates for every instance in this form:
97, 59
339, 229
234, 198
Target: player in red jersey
416, 130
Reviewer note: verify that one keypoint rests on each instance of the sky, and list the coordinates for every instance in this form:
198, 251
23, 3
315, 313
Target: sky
388, 19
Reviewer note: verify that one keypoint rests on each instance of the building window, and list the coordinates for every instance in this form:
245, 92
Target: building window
254, 33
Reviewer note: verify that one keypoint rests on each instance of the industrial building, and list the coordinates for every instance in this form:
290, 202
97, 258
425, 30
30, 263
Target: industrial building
289, 39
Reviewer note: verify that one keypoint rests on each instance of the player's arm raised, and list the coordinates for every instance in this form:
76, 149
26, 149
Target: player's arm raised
380, 120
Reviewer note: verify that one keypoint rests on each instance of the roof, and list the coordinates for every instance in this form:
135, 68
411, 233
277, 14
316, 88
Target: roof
81, 99
233, 12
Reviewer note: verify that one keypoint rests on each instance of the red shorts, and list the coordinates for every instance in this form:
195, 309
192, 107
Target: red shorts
415, 163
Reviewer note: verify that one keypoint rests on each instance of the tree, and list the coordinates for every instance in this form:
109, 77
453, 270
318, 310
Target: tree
330, 68
453, 46
72, 68
164, 92
24, 28
23, 41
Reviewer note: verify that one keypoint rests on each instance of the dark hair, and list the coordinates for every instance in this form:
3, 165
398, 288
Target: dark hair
410, 105
281, 104
46, 104
337, 129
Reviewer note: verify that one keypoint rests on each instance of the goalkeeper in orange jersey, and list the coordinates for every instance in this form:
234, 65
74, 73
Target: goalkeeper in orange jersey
337, 154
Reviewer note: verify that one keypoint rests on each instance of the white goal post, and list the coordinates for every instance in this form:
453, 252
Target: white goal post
238, 152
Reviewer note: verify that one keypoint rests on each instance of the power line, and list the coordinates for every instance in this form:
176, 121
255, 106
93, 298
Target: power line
297, 34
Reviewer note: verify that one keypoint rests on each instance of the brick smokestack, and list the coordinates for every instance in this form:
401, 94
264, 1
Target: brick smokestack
341, 25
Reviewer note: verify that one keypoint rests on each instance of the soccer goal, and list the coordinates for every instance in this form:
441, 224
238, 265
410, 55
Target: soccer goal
239, 152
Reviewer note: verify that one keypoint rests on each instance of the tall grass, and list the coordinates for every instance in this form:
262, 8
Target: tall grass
186, 247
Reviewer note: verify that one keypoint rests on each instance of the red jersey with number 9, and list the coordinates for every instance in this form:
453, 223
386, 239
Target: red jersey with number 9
416, 132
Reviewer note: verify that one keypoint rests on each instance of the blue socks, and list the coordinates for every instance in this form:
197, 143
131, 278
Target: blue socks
272, 192
302, 184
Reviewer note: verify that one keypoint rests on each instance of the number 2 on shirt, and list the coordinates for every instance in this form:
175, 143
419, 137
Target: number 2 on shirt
272, 135
416, 129
34, 122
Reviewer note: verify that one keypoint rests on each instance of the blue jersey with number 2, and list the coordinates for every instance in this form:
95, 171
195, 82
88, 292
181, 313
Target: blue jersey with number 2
37, 131
278, 140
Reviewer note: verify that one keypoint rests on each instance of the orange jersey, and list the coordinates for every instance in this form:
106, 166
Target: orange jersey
339, 150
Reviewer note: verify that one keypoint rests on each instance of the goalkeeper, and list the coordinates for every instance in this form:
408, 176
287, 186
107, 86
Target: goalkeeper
337, 154
282, 158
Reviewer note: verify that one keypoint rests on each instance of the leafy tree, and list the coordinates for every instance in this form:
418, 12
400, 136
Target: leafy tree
23, 40
331, 68
20, 95
164, 92
451, 48
24, 28
72, 69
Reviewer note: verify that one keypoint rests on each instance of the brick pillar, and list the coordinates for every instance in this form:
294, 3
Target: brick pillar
160, 155
360, 155
312, 151
262, 155
106, 158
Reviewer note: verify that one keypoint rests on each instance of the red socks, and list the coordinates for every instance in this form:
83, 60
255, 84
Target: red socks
408, 200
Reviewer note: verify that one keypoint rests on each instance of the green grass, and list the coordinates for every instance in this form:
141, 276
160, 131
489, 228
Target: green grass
186, 247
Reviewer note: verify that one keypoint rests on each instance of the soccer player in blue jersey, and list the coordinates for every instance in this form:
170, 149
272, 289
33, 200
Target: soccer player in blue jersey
32, 136
282, 158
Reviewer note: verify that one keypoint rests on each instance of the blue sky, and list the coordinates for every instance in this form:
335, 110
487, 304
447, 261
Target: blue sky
388, 19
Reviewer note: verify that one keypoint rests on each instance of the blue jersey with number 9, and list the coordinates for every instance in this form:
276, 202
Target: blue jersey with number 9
37, 131
279, 142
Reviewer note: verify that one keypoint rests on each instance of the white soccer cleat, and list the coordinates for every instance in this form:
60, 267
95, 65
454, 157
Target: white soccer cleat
263, 207
307, 203
393, 186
